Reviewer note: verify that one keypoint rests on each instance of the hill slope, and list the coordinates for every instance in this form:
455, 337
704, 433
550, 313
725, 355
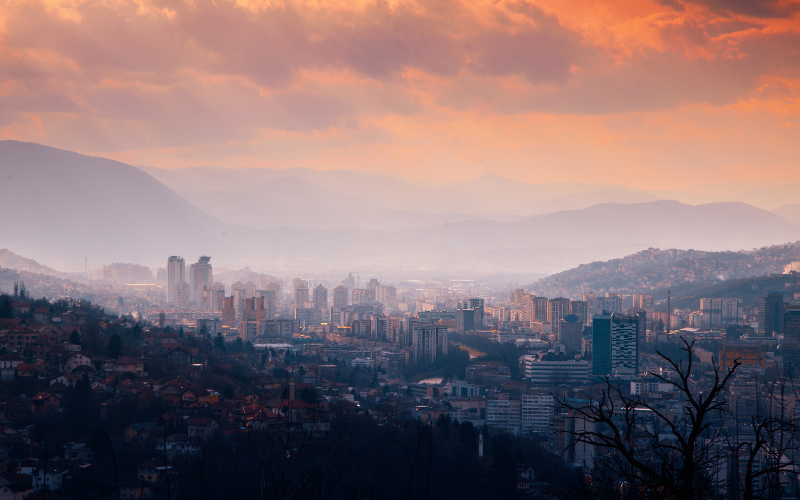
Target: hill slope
68, 206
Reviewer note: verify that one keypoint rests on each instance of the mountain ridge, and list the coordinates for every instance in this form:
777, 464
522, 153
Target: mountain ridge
78, 206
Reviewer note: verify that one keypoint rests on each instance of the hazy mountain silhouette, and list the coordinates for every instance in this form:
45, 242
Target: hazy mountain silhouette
790, 212
667, 223
68, 206
10, 260
307, 198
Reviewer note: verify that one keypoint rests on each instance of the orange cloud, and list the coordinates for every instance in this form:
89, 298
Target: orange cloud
640, 92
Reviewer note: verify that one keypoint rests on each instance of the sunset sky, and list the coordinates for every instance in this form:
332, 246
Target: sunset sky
664, 94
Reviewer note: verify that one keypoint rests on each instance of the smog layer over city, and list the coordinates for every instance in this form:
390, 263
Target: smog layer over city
400, 249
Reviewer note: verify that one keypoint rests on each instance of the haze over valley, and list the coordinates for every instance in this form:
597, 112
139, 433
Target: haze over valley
103, 210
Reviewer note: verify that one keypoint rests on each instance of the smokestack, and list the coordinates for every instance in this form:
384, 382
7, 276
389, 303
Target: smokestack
669, 311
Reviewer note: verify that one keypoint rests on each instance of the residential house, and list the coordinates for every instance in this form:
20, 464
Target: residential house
76, 359
195, 397
68, 380
44, 402
8, 366
41, 314
135, 491
125, 364
79, 452
14, 488
21, 307
179, 357
26, 370
202, 427
174, 445
153, 470
49, 479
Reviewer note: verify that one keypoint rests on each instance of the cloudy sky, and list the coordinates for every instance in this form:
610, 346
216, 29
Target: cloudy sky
651, 94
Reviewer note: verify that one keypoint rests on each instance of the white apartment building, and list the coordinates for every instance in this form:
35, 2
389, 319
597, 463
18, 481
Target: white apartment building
536, 410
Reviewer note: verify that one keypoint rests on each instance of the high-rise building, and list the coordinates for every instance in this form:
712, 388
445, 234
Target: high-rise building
183, 294
539, 308
123, 274
373, 284
300, 296
239, 293
199, 274
465, 320
536, 411
408, 328
591, 304
211, 296
428, 342
770, 314
386, 294
580, 309
275, 286
645, 302
175, 276
791, 339
601, 344
228, 312
477, 305
641, 324
380, 328
612, 302
615, 344
625, 344
732, 312
340, 296
349, 282
321, 297
711, 309
300, 292
363, 295
516, 297
254, 318
571, 333
557, 309
254, 309
270, 302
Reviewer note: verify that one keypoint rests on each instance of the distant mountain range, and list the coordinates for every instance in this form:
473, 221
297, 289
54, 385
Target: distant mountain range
308, 198
67, 207
790, 212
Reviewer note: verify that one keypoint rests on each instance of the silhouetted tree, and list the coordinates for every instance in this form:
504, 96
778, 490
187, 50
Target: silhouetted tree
114, 348
5, 309
219, 343
644, 452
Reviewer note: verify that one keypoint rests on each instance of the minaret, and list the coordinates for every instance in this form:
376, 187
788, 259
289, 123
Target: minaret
480, 445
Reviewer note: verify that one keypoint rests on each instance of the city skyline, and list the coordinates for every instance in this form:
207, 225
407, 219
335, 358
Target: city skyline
395, 249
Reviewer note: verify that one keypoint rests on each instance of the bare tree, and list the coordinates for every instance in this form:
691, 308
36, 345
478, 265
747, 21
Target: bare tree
645, 451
